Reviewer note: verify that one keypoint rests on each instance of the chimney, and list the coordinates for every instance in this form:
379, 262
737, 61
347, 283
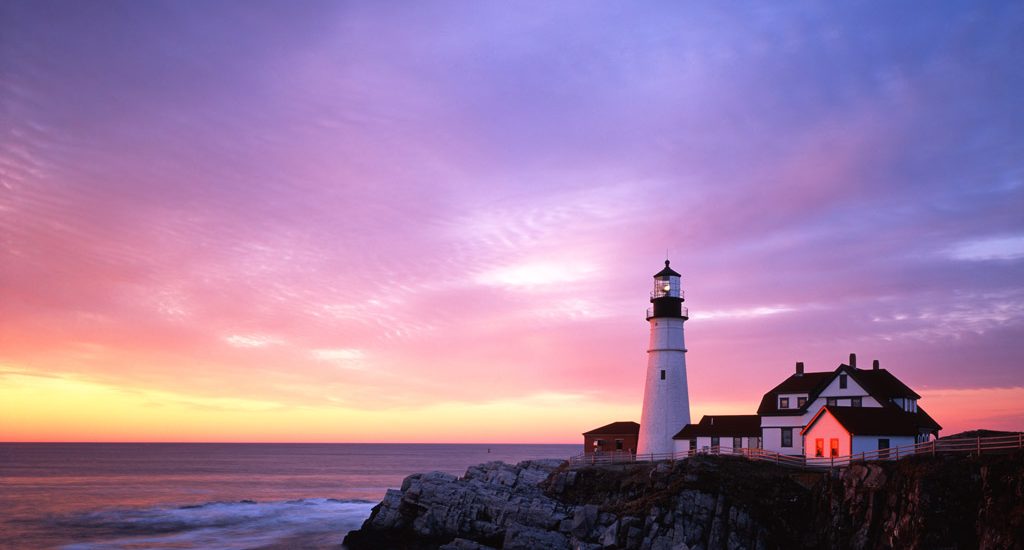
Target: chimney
799, 368
853, 360
874, 365
712, 421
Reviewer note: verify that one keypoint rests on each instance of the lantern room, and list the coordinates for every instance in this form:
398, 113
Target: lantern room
666, 283
667, 296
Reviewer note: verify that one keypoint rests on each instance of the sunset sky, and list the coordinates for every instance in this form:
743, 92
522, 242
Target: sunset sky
438, 221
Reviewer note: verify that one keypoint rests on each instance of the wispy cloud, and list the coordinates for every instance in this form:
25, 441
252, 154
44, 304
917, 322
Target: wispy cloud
991, 248
742, 313
251, 340
347, 358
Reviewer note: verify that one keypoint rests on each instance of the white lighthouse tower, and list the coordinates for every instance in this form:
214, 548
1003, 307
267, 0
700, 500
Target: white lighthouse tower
666, 397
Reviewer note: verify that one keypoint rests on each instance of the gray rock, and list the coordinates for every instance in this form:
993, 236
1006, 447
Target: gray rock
583, 520
464, 544
519, 537
610, 536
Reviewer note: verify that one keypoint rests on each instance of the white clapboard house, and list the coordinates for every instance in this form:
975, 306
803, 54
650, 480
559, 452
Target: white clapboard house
720, 434
821, 414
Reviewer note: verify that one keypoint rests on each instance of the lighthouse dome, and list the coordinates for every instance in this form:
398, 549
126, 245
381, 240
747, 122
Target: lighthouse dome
667, 272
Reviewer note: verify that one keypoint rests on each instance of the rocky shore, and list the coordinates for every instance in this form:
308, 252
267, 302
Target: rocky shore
706, 503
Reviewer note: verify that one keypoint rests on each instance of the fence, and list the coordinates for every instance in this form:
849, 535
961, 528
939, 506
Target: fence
975, 445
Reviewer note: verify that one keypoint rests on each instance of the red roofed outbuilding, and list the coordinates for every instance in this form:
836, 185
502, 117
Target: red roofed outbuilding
617, 437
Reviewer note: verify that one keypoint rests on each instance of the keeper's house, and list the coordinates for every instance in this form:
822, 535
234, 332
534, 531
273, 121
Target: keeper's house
820, 415
788, 410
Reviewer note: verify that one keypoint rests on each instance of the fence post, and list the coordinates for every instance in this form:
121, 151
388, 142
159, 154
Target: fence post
934, 441
897, 453
979, 445
1020, 440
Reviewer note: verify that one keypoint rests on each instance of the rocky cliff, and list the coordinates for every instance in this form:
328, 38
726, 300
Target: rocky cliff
706, 503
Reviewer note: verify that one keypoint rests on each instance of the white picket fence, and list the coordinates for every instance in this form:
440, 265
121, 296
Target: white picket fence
977, 445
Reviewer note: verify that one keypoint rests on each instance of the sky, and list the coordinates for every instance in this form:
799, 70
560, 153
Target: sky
438, 221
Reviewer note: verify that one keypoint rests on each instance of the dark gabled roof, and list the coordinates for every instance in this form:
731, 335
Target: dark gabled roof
811, 383
736, 425
925, 420
890, 420
616, 428
668, 271
881, 383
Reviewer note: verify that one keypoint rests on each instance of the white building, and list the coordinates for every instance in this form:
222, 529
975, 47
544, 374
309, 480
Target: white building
720, 434
870, 432
666, 398
789, 407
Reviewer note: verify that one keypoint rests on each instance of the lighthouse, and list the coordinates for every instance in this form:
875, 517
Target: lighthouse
666, 397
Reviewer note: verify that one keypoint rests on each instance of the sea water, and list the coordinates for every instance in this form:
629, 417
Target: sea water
184, 495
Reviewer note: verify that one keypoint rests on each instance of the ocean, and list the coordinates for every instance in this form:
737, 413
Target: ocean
184, 495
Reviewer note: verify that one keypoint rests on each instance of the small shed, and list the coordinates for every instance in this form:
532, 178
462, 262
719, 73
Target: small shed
617, 437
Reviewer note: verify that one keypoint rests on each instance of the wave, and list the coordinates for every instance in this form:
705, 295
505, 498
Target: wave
307, 523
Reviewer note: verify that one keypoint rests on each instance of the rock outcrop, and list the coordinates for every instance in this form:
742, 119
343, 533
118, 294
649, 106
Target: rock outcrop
706, 503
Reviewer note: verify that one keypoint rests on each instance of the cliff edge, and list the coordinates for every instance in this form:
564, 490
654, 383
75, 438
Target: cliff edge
709, 503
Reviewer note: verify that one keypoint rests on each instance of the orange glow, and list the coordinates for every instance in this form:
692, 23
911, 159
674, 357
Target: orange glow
74, 410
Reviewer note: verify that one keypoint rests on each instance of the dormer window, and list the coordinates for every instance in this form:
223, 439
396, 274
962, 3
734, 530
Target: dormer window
831, 401
800, 402
842, 381
856, 402
783, 402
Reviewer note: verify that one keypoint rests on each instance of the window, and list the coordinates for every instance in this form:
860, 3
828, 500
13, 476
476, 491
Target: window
787, 437
831, 401
783, 402
833, 445
715, 442
856, 402
737, 443
883, 449
693, 445
800, 402
599, 443
819, 447
618, 444
842, 381
662, 375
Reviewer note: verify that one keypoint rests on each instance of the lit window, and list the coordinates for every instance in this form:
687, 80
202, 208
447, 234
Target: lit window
819, 447
833, 445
